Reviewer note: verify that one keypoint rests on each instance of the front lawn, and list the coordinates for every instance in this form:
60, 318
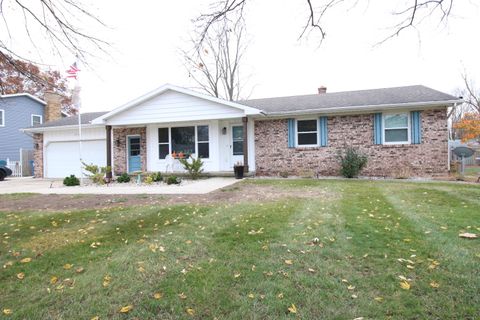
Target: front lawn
384, 250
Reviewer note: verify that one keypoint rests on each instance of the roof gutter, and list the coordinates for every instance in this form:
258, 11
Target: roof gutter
361, 108
57, 128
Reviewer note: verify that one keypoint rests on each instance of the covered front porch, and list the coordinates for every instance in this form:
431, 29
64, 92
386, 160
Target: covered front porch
157, 147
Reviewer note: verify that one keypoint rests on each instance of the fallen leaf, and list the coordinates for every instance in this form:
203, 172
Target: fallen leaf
405, 285
280, 295
95, 318
53, 280
251, 295
350, 287
468, 235
354, 296
79, 270
434, 284
182, 296
26, 260
311, 270
378, 299
7, 312
106, 280
190, 311
67, 266
126, 309
288, 262
292, 309
157, 295
236, 275
21, 275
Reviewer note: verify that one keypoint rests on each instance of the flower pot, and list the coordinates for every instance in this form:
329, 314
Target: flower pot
238, 171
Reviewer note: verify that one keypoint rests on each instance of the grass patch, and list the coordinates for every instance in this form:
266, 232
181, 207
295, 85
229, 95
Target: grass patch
253, 260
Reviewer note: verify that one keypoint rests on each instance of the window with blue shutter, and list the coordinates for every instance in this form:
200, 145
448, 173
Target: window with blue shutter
416, 130
323, 132
377, 128
291, 133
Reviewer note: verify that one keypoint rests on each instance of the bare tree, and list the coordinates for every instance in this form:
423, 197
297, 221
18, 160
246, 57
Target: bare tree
215, 64
56, 25
409, 16
470, 94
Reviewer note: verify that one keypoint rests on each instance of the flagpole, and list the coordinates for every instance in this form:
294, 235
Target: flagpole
73, 72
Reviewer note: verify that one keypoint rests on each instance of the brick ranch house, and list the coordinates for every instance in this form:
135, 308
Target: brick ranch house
402, 130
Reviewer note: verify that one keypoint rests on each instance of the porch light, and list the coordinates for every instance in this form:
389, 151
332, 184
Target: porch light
224, 130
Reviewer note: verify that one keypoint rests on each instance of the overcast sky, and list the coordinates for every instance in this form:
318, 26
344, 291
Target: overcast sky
146, 36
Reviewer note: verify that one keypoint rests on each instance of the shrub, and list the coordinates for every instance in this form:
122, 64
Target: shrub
71, 181
97, 174
283, 174
123, 178
157, 177
148, 180
194, 167
173, 180
352, 162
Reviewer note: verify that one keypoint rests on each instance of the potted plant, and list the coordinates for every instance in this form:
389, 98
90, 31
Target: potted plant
238, 169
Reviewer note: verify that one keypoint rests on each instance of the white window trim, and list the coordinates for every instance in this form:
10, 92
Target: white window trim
2, 124
408, 128
317, 132
196, 139
37, 115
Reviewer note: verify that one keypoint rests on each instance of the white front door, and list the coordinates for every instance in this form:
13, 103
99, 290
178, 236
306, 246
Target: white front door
236, 142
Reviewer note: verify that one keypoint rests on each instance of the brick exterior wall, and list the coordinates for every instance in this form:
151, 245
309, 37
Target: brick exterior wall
429, 158
38, 155
120, 148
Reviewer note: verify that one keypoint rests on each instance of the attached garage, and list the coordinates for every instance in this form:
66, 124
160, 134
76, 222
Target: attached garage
61, 152
63, 158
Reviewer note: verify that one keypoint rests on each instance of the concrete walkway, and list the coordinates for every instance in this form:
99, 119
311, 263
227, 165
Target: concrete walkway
49, 186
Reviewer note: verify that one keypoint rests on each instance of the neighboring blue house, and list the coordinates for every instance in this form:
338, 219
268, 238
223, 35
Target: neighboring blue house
18, 111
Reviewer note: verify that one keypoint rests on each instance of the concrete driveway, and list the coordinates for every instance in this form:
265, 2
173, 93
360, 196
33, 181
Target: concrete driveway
49, 186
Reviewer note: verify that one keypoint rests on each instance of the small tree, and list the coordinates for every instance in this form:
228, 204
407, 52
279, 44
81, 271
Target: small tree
97, 174
194, 167
469, 126
352, 162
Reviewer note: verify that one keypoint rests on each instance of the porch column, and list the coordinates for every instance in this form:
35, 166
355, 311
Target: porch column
109, 151
245, 143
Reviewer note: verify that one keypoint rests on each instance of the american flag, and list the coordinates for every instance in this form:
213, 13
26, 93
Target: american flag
72, 72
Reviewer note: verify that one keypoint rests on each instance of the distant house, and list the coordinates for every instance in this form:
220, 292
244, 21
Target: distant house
401, 130
16, 112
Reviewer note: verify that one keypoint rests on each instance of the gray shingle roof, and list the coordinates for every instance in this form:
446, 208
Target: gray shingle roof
358, 99
72, 120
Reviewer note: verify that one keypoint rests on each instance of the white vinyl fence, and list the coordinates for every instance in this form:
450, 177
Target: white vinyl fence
16, 167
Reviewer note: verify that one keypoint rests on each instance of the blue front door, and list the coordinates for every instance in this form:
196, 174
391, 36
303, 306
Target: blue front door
134, 158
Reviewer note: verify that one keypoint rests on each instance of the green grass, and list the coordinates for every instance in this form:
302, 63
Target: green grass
228, 261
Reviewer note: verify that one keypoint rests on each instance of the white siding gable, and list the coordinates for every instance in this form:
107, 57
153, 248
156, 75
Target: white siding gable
172, 106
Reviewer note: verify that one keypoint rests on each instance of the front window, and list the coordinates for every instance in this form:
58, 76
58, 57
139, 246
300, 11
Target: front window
36, 119
2, 118
185, 140
202, 142
307, 132
396, 128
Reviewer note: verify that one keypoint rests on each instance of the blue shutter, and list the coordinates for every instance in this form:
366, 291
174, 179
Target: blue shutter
323, 132
291, 133
377, 129
416, 129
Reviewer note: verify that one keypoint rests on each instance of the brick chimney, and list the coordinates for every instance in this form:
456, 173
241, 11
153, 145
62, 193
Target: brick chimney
53, 109
322, 90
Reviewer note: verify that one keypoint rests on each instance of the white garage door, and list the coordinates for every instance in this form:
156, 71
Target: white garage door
62, 158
